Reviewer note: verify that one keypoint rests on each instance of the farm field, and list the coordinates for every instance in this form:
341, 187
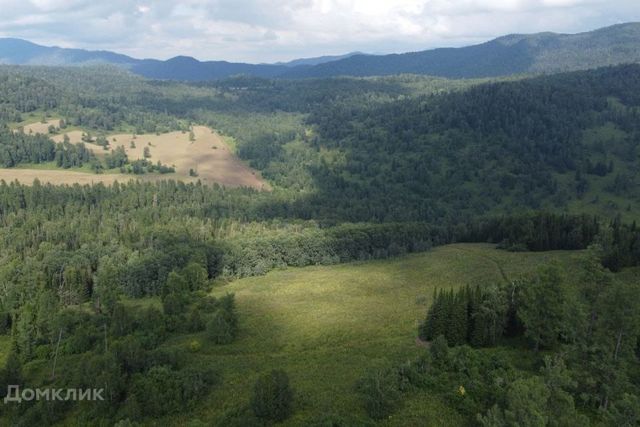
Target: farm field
327, 325
207, 154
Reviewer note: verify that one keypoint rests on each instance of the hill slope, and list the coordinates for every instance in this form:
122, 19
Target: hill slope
390, 149
567, 141
22, 52
513, 54
327, 327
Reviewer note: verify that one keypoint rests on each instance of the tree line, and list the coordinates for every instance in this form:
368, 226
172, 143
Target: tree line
583, 333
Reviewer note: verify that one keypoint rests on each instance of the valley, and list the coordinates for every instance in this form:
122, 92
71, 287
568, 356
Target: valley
446, 237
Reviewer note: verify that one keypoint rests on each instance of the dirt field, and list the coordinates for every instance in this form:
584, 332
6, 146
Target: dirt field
208, 155
40, 127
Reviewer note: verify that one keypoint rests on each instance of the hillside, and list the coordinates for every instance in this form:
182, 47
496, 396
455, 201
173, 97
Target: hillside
187, 68
387, 149
327, 326
513, 54
318, 60
504, 56
22, 52
191, 303
565, 142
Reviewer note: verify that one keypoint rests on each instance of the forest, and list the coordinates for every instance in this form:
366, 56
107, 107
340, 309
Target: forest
98, 282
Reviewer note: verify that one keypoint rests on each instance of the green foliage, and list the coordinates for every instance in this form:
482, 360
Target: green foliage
361, 169
11, 373
477, 316
626, 412
525, 406
220, 329
17, 148
380, 393
537, 401
543, 309
439, 351
161, 390
272, 396
195, 322
195, 276
117, 158
535, 231
326, 143
332, 420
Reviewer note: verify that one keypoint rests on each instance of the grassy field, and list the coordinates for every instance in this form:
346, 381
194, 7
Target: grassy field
208, 154
327, 326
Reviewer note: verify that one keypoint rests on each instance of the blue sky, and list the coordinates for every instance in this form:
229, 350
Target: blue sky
276, 30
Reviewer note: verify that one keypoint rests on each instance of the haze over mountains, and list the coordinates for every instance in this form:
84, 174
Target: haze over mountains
511, 54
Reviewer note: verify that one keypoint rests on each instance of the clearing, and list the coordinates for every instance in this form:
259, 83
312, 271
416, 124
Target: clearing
328, 325
208, 155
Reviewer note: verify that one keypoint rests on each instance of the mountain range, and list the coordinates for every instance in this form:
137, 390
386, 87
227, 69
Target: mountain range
508, 55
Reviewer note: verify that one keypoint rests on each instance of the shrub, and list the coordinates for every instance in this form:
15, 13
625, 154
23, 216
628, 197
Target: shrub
195, 346
439, 351
380, 393
220, 329
194, 321
272, 396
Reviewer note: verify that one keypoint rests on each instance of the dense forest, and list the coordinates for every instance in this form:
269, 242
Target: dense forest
101, 277
405, 148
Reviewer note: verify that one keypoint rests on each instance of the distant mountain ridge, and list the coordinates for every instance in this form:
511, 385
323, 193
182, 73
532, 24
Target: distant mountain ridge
507, 55
319, 60
22, 52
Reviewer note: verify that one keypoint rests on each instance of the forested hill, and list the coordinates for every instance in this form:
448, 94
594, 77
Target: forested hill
504, 56
513, 54
568, 141
123, 287
382, 149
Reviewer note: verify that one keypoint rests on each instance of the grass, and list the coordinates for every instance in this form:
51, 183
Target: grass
5, 347
211, 155
53, 118
327, 326
230, 142
53, 166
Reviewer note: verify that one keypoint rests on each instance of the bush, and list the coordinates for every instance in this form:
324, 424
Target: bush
174, 304
194, 321
220, 329
161, 390
272, 396
194, 346
439, 351
380, 393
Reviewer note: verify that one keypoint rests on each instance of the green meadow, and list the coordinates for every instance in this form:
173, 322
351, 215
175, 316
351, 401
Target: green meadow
326, 326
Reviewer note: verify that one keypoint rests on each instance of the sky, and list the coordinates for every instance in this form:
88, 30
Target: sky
278, 30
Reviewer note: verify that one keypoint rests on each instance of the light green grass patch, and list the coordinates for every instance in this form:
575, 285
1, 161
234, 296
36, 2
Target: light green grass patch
328, 326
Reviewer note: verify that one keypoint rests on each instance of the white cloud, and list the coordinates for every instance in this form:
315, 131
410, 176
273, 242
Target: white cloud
271, 30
